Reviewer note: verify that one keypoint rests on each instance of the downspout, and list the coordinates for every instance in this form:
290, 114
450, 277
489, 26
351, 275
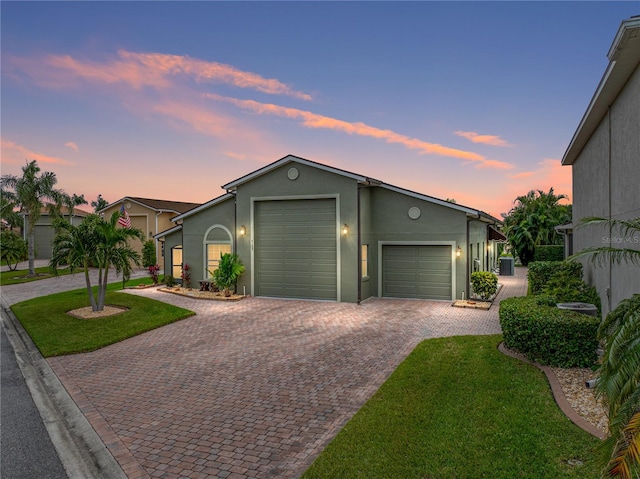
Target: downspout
359, 246
608, 291
155, 233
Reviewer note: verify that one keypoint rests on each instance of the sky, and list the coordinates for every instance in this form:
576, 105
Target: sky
475, 101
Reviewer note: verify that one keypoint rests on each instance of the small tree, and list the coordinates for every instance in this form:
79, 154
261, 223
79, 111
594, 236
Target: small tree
99, 204
30, 191
13, 249
96, 242
148, 254
230, 268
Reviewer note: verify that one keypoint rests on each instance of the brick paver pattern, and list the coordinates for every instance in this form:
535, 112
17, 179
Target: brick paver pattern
255, 388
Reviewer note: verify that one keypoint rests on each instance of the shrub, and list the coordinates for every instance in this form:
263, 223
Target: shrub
540, 273
484, 283
549, 253
564, 287
230, 268
153, 272
13, 249
169, 280
548, 335
148, 254
186, 276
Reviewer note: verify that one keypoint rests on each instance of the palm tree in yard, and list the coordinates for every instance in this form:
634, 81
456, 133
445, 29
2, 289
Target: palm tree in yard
532, 221
30, 193
619, 380
96, 242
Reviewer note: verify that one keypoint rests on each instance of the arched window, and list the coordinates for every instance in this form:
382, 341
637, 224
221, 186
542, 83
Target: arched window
217, 241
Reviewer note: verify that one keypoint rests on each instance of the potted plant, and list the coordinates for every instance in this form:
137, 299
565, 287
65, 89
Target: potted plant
230, 268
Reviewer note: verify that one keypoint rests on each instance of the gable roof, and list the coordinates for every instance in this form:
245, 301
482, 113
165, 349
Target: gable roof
203, 206
164, 233
295, 159
360, 179
156, 205
624, 58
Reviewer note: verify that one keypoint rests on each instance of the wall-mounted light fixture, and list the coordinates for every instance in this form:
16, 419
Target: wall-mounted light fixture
345, 230
458, 252
243, 230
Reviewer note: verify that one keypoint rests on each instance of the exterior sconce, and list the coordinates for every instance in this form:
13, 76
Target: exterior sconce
243, 230
458, 252
345, 230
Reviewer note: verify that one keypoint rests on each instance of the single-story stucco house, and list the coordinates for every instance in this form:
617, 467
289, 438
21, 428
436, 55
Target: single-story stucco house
307, 230
149, 215
605, 157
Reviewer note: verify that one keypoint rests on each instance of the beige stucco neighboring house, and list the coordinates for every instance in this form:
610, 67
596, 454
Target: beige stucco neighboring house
605, 157
151, 216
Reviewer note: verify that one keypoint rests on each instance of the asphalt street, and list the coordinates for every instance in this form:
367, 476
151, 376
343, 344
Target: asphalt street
26, 450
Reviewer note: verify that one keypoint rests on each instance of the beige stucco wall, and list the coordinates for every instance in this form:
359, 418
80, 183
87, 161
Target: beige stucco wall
606, 176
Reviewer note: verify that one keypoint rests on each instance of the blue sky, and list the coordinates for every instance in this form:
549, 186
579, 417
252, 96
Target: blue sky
475, 101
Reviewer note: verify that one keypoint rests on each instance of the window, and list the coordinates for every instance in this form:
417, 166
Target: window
176, 261
365, 260
217, 241
214, 250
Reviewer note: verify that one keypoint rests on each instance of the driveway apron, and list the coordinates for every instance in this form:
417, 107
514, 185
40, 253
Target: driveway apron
255, 388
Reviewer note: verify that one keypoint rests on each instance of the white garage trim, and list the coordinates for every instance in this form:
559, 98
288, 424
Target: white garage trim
336, 197
419, 243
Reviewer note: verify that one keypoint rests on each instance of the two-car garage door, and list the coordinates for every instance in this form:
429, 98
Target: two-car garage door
295, 248
416, 271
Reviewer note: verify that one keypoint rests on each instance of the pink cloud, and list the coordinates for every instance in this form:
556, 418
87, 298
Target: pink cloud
524, 174
72, 145
140, 70
314, 120
15, 154
492, 140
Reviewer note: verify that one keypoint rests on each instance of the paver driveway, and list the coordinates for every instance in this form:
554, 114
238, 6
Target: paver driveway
254, 388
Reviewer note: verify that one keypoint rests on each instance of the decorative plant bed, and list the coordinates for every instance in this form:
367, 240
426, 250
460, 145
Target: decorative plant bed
471, 303
143, 286
197, 294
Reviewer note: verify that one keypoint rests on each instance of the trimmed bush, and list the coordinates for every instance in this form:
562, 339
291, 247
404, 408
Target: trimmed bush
148, 254
540, 272
484, 283
548, 335
549, 253
564, 287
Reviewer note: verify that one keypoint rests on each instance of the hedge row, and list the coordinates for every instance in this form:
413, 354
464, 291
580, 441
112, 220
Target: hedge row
548, 335
540, 272
549, 253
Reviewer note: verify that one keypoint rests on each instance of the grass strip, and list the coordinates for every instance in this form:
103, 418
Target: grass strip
458, 408
21, 276
55, 332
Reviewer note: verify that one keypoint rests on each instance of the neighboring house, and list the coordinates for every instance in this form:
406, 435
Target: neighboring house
44, 231
605, 155
149, 215
312, 231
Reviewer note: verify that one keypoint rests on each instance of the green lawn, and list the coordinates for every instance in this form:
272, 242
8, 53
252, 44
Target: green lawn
55, 332
20, 276
458, 408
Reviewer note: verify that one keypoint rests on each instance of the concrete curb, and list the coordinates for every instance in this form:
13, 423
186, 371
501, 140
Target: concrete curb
558, 395
81, 451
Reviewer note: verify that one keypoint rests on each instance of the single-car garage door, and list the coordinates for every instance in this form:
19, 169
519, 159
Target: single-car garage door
416, 271
295, 249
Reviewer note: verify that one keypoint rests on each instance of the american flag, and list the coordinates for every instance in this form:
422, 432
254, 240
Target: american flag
124, 219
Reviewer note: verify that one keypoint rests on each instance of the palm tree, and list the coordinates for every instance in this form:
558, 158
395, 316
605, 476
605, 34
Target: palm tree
98, 242
29, 193
532, 221
619, 380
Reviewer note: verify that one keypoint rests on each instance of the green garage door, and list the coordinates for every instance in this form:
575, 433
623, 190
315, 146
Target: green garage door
416, 271
295, 249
